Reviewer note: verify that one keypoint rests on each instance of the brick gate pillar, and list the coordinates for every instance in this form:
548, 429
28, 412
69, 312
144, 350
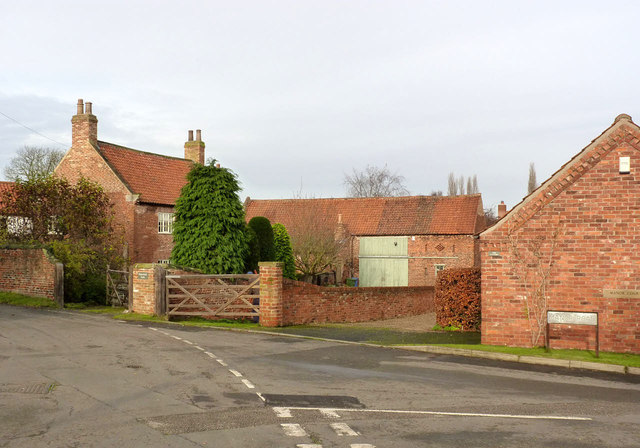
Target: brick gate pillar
271, 293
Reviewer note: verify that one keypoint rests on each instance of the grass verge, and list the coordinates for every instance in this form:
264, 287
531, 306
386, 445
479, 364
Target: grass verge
190, 322
623, 359
11, 298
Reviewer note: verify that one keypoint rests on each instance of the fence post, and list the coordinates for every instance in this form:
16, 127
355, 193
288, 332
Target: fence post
271, 293
58, 285
161, 299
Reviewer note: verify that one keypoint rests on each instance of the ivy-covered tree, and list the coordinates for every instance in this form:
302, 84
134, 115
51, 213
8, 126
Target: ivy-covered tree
262, 227
283, 251
208, 232
74, 222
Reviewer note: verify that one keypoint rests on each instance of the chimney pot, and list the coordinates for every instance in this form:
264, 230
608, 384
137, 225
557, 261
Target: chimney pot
217, 165
88, 108
190, 139
80, 107
198, 135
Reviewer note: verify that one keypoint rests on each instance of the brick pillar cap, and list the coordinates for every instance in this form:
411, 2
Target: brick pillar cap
271, 264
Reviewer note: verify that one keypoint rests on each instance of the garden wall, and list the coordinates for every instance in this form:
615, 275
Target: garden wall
31, 272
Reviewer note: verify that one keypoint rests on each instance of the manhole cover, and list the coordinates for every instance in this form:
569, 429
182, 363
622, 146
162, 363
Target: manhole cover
37, 388
313, 401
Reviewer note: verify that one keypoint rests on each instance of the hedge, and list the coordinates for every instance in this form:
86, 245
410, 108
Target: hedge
457, 298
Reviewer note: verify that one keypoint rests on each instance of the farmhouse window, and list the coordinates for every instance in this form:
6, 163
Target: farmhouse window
439, 267
165, 222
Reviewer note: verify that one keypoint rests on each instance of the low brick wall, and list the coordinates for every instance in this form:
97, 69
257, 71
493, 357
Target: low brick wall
30, 272
304, 303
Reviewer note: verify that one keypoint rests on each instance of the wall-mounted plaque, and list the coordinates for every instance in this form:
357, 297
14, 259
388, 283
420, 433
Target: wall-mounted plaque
621, 294
143, 275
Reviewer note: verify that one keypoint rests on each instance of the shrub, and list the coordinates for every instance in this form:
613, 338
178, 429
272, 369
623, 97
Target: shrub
253, 253
457, 298
262, 227
208, 231
283, 251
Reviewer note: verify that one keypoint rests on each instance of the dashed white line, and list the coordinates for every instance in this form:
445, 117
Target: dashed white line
342, 429
198, 347
362, 445
210, 355
154, 329
248, 384
293, 430
235, 372
282, 412
187, 342
308, 445
261, 397
222, 363
176, 337
331, 413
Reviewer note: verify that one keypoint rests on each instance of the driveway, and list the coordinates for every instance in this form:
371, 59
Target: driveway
75, 380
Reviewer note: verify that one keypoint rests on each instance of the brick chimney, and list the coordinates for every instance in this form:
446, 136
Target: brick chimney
502, 209
194, 149
84, 126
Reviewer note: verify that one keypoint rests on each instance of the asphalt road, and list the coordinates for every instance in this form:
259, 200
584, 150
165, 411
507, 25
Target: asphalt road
76, 380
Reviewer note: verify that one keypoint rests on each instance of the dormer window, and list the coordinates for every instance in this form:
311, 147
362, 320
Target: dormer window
165, 222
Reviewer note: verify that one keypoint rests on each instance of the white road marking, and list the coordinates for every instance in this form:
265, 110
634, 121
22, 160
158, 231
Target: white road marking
198, 347
187, 342
362, 445
331, 413
261, 397
176, 337
293, 430
308, 445
453, 414
164, 333
282, 412
210, 355
248, 384
235, 372
122, 321
154, 329
342, 429
222, 363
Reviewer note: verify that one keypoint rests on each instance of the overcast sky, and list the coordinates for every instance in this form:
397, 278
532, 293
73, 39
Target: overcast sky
291, 95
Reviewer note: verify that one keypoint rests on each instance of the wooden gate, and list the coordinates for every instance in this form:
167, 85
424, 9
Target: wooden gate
233, 295
118, 287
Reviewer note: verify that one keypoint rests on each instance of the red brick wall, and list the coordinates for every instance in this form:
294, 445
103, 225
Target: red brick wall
27, 271
304, 303
457, 251
149, 245
590, 230
144, 293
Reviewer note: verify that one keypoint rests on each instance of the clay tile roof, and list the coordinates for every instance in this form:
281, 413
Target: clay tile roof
6, 187
408, 215
156, 178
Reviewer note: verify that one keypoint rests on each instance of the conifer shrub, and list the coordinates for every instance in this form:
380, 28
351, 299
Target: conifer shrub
262, 227
283, 251
209, 228
253, 251
457, 298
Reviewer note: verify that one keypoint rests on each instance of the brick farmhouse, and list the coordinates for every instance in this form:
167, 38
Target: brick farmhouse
572, 245
142, 186
395, 241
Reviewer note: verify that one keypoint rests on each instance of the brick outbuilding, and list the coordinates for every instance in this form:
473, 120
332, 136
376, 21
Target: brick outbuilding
572, 245
394, 241
143, 186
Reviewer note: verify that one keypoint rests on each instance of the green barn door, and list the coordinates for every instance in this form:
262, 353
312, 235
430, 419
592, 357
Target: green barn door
384, 261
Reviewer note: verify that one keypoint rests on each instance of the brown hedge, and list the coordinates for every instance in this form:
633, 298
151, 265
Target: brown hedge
457, 298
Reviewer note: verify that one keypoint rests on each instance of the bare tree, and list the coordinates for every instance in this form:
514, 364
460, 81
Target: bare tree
456, 186
33, 162
533, 183
374, 182
317, 241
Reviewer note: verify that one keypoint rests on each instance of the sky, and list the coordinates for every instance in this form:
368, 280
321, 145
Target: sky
293, 95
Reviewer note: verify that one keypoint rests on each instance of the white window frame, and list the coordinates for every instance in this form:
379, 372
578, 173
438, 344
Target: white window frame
439, 267
165, 222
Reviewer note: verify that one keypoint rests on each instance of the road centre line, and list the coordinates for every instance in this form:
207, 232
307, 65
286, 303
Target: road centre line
222, 363
210, 355
198, 347
281, 411
187, 342
235, 372
176, 337
248, 383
